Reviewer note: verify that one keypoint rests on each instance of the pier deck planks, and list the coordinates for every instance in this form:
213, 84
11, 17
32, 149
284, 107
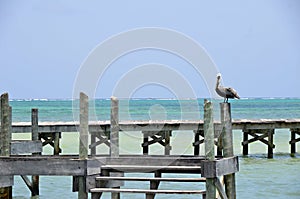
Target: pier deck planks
104, 126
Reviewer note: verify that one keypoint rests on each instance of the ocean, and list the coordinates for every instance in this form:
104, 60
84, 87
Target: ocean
258, 177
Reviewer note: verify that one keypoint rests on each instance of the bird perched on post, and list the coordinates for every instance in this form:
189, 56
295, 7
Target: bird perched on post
225, 92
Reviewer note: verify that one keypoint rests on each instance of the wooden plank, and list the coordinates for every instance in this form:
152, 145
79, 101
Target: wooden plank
42, 166
152, 179
221, 167
112, 190
19, 147
163, 125
162, 161
141, 168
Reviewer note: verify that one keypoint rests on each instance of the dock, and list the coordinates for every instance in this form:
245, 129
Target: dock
95, 173
261, 130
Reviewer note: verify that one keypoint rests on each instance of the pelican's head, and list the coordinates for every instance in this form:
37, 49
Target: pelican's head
219, 76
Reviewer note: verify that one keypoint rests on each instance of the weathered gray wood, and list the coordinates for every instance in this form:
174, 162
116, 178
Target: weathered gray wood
84, 119
152, 179
149, 169
56, 147
209, 146
19, 147
216, 168
5, 139
245, 143
228, 147
5, 134
27, 182
42, 166
93, 144
293, 140
256, 137
196, 143
96, 126
162, 161
96, 190
6, 181
167, 142
83, 142
145, 146
270, 143
114, 127
35, 138
220, 189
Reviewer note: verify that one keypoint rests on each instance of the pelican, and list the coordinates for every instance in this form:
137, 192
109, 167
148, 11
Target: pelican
225, 92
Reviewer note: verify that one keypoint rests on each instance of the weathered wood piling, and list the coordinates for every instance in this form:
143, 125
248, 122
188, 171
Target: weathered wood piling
5, 140
209, 146
83, 142
227, 140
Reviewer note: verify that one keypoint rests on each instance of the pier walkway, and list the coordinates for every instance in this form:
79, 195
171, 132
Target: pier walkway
260, 130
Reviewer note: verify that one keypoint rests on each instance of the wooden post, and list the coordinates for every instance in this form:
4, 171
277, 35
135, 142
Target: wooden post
56, 143
93, 141
5, 140
270, 142
196, 145
245, 146
293, 145
167, 142
228, 148
145, 140
219, 144
35, 136
114, 127
209, 145
83, 142
114, 133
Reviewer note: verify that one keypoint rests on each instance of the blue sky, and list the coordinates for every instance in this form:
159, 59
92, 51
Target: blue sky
254, 44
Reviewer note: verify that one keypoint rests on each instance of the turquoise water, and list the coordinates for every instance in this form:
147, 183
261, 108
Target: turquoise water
259, 177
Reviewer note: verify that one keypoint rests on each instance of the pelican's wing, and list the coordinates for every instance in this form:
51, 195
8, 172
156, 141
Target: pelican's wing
232, 92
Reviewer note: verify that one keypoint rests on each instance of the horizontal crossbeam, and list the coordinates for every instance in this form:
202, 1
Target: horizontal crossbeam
152, 179
146, 191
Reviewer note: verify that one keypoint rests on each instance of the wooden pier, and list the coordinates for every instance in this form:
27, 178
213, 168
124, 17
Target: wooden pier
95, 174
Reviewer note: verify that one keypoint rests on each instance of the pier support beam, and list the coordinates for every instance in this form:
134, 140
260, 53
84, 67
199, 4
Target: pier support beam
5, 140
199, 139
35, 137
83, 142
114, 128
114, 134
209, 146
228, 148
161, 137
259, 135
294, 140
